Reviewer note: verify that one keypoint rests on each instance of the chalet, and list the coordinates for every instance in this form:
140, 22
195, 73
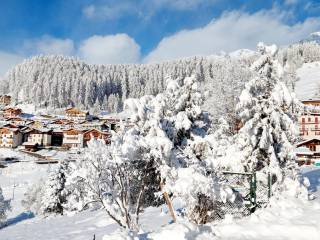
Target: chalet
96, 134
99, 125
10, 137
308, 151
73, 138
5, 100
40, 136
312, 144
61, 124
76, 114
19, 121
11, 112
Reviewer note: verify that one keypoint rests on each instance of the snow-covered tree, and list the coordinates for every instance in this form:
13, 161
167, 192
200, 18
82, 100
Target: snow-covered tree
96, 109
269, 132
172, 127
4, 208
55, 192
109, 175
33, 198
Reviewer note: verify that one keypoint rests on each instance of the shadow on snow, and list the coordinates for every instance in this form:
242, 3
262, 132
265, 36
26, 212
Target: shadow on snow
21, 217
314, 179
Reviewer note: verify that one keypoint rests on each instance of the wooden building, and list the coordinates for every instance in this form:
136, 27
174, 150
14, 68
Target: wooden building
5, 100
11, 112
96, 134
76, 114
312, 144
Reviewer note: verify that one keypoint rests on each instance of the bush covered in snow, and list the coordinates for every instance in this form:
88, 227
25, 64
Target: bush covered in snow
33, 198
4, 208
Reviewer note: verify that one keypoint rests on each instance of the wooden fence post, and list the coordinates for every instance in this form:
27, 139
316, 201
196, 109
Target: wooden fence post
168, 202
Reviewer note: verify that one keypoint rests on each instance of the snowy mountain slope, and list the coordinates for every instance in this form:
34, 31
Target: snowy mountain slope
308, 85
313, 37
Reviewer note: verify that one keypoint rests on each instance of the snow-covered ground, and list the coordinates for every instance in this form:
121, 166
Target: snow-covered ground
288, 218
309, 80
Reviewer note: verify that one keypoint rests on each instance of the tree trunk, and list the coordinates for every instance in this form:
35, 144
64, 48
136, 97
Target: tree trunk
169, 203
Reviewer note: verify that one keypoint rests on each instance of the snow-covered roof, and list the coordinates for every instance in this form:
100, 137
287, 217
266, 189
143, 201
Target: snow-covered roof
303, 150
308, 140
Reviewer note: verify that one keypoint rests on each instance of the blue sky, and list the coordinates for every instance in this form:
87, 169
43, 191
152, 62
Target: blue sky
134, 31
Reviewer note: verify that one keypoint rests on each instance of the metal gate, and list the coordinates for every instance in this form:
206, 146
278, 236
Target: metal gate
249, 193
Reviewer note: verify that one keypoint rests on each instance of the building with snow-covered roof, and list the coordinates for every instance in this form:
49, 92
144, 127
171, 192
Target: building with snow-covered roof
11, 112
76, 114
40, 136
96, 134
308, 151
73, 138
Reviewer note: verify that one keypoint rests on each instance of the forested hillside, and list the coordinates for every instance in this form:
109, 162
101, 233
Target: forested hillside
57, 81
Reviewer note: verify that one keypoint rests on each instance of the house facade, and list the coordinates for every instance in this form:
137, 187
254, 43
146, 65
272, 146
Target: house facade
309, 121
96, 134
308, 151
73, 138
10, 137
42, 137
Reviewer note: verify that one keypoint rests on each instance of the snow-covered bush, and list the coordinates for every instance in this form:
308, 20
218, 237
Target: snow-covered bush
4, 208
33, 198
115, 176
55, 193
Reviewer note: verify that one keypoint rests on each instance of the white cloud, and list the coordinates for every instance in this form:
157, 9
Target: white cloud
111, 9
232, 31
119, 48
290, 2
180, 4
89, 11
7, 61
49, 45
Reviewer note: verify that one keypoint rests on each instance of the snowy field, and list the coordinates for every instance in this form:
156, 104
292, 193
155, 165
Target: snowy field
309, 80
289, 218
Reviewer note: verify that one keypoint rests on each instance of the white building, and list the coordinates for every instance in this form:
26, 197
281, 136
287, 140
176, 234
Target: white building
73, 138
10, 137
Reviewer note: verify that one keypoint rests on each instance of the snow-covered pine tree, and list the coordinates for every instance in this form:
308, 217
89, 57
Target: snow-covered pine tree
172, 128
269, 132
55, 192
96, 109
4, 208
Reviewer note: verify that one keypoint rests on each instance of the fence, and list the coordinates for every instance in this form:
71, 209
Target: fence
249, 193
